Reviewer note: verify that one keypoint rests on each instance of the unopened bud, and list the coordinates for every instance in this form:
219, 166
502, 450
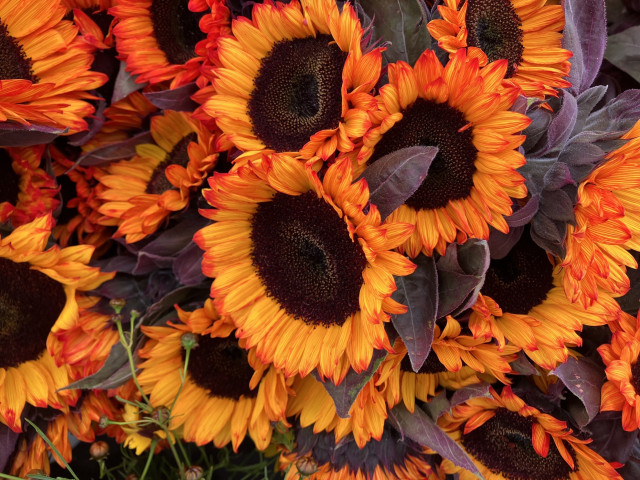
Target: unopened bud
117, 304
161, 414
194, 472
307, 466
104, 422
98, 450
189, 341
131, 476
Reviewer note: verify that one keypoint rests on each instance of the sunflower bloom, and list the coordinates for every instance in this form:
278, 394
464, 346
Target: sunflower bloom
159, 39
45, 67
223, 397
526, 33
455, 361
464, 112
294, 80
506, 438
303, 272
39, 297
26, 190
522, 301
607, 226
139, 194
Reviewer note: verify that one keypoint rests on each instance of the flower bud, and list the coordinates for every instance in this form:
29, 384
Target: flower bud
99, 450
306, 466
161, 414
189, 340
117, 304
194, 472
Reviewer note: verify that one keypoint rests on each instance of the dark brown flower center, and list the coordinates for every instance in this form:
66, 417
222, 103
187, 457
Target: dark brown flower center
158, 183
494, 27
431, 365
503, 444
428, 123
176, 29
306, 259
522, 279
30, 303
9, 180
297, 92
635, 376
14, 63
220, 366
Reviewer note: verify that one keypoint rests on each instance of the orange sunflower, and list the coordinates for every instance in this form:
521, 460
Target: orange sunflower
39, 297
305, 274
139, 194
318, 456
463, 110
522, 301
621, 391
26, 190
294, 79
93, 21
44, 66
607, 226
455, 361
507, 439
158, 39
227, 392
526, 33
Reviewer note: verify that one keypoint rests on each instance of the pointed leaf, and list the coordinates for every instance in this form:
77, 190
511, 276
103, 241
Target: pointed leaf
609, 438
522, 366
395, 177
584, 379
188, 265
345, 394
419, 292
562, 123
114, 151
174, 99
95, 124
8, 442
114, 372
16, 135
125, 84
622, 51
500, 244
420, 428
523, 215
470, 391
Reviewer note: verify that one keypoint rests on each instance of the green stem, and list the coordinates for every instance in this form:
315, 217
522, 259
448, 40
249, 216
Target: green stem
183, 378
127, 346
152, 448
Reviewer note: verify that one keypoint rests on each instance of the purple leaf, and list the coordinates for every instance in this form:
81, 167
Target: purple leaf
617, 116
125, 84
522, 366
535, 132
188, 265
585, 35
587, 101
520, 105
622, 51
157, 312
419, 292
438, 405
469, 392
500, 244
557, 205
172, 241
16, 135
345, 394
584, 379
419, 427
523, 215
395, 177
114, 372
8, 441
576, 154
114, 151
548, 235
95, 124
557, 177
178, 99
562, 123
148, 262
609, 438
461, 274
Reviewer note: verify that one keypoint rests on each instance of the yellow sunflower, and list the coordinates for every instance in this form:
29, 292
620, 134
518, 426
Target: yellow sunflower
455, 361
304, 273
139, 194
44, 66
526, 33
161, 40
294, 79
227, 392
26, 190
462, 110
522, 301
39, 297
507, 439
607, 226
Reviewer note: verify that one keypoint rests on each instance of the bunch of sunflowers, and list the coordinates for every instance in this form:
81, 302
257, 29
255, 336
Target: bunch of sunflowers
360, 240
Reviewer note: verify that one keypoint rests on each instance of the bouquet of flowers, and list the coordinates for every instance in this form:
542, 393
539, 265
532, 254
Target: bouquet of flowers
324, 239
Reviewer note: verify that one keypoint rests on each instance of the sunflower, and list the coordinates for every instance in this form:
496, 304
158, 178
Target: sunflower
464, 112
607, 226
522, 301
305, 274
507, 439
44, 66
455, 361
294, 79
621, 391
318, 456
94, 23
26, 190
526, 33
160, 39
227, 392
139, 194
315, 407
